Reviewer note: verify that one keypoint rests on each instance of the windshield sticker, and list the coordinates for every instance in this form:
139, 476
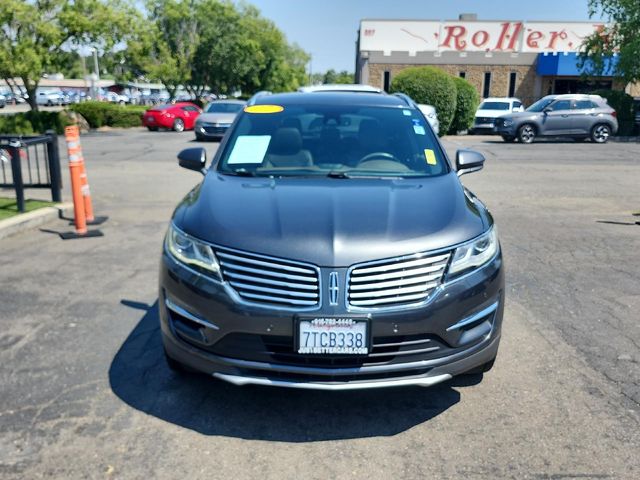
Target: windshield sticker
419, 129
430, 155
264, 109
249, 149
406, 113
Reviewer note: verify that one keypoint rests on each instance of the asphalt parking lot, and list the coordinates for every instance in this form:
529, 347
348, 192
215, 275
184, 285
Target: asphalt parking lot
85, 392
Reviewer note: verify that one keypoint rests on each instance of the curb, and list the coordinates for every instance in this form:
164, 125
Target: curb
30, 220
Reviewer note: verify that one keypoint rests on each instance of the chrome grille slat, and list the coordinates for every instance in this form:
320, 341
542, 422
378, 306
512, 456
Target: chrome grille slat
407, 264
396, 281
395, 291
404, 299
270, 281
270, 299
262, 263
269, 273
397, 274
243, 286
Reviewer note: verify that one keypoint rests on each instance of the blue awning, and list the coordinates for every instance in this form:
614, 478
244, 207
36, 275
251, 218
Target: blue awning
566, 64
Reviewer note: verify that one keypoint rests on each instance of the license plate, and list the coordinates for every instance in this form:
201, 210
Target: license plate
333, 336
150, 119
485, 125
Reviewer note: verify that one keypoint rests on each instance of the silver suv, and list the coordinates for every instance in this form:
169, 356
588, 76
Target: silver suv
575, 116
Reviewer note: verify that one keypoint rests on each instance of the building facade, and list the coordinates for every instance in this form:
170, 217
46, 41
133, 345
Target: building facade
500, 58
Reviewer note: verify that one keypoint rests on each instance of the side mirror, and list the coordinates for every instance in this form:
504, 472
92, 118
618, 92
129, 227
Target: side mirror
468, 161
548, 110
193, 159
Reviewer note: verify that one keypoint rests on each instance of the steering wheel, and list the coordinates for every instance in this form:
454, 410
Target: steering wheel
379, 155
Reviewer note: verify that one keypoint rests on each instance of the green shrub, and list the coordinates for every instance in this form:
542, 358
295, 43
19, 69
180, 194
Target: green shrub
467, 102
622, 103
432, 86
99, 114
29, 123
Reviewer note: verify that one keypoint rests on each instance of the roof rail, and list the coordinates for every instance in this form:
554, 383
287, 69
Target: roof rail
407, 99
261, 93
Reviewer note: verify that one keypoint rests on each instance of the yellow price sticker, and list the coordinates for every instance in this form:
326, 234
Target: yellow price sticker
430, 155
264, 109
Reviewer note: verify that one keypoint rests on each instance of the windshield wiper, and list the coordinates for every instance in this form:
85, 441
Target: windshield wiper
240, 173
338, 175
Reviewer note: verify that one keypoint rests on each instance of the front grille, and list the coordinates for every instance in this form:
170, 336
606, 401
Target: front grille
396, 281
269, 280
481, 120
215, 130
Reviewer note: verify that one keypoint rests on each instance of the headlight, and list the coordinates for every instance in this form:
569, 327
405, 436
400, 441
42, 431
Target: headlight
475, 253
507, 123
192, 252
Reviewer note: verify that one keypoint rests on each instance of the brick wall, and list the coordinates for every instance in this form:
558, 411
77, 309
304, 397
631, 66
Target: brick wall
525, 78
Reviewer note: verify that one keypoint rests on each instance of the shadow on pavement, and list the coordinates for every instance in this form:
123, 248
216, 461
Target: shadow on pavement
140, 377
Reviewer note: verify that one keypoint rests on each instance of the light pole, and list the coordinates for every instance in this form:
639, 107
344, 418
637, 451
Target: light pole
96, 75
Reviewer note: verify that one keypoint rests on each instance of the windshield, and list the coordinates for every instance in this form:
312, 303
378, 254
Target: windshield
333, 140
494, 106
540, 105
220, 107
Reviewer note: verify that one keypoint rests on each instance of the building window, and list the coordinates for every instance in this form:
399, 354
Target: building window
512, 84
486, 89
462, 74
387, 80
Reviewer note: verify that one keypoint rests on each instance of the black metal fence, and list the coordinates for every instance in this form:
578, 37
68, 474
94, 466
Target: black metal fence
30, 162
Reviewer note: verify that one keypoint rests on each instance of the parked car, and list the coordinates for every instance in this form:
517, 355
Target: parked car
492, 108
3, 101
114, 97
429, 111
636, 109
571, 115
216, 118
356, 262
339, 87
49, 97
177, 116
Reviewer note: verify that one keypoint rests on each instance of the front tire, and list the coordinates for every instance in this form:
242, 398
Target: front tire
600, 133
178, 125
527, 133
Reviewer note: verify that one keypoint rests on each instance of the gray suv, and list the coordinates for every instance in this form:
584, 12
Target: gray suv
575, 116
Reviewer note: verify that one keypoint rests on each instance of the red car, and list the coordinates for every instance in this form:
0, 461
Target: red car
176, 116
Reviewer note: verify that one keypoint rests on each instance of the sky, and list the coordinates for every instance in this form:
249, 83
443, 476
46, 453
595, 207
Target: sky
327, 29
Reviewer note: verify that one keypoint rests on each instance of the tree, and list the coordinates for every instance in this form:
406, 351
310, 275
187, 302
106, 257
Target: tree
37, 35
619, 36
467, 100
175, 35
431, 86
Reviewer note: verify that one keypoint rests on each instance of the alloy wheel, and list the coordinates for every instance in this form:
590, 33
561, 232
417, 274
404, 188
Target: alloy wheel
178, 125
600, 133
527, 134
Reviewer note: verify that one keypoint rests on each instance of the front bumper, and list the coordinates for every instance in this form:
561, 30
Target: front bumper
205, 328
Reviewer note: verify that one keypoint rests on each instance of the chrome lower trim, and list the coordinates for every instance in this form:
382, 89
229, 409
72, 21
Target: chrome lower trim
421, 382
475, 317
181, 311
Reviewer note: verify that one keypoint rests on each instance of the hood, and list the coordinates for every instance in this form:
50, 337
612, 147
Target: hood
331, 222
491, 113
217, 117
521, 115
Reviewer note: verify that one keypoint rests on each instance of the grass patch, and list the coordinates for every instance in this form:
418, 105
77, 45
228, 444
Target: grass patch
9, 206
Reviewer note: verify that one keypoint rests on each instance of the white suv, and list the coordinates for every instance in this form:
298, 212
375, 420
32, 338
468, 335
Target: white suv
492, 108
49, 97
